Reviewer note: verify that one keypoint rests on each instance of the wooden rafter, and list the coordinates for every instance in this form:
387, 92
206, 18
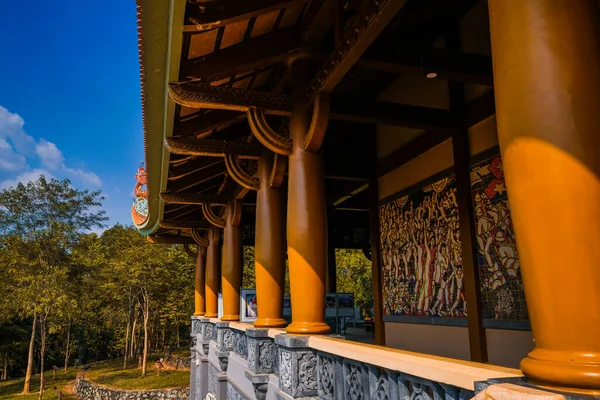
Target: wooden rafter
361, 34
208, 174
212, 147
193, 198
260, 52
192, 167
175, 224
204, 124
210, 15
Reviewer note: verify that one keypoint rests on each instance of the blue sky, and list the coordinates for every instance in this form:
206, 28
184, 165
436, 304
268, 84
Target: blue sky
70, 96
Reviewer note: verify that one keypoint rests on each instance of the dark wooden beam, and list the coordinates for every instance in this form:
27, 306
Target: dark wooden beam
198, 95
249, 55
193, 198
170, 239
479, 109
453, 66
205, 123
215, 14
365, 29
174, 224
393, 114
466, 218
212, 147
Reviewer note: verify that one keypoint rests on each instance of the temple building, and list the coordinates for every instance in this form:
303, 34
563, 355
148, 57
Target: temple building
452, 142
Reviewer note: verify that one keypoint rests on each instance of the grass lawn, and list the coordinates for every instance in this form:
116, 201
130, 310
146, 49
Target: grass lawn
110, 373
181, 352
12, 388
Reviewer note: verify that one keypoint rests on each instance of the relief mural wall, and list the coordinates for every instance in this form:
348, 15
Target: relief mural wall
421, 253
502, 291
421, 256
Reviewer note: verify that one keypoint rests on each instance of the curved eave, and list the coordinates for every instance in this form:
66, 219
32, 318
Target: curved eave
162, 24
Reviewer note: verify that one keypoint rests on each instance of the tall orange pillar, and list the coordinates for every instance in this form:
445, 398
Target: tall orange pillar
199, 307
232, 263
213, 274
306, 217
269, 250
546, 56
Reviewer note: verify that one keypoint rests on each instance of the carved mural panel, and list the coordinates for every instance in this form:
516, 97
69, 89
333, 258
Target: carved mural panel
422, 272
502, 291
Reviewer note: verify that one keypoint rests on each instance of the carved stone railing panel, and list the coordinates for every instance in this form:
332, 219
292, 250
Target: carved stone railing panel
356, 380
329, 376
240, 346
412, 387
196, 325
383, 384
297, 366
207, 331
225, 338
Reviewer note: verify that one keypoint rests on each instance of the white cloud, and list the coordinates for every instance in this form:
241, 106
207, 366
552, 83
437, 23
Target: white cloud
86, 177
16, 146
50, 156
9, 159
27, 176
11, 127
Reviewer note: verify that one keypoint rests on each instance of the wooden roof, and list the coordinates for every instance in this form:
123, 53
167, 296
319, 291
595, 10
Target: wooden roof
232, 44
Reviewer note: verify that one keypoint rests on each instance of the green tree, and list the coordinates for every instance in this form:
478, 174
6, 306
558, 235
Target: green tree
41, 222
354, 276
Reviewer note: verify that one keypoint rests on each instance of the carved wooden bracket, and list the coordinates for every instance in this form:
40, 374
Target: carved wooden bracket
201, 95
211, 217
277, 171
189, 251
212, 147
199, 239
318, 125
239, 175
266, 135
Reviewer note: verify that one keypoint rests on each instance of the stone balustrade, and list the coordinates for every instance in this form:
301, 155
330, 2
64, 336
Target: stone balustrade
237, 361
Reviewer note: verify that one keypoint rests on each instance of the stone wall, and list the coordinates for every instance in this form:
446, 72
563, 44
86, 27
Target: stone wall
89, 391
178, 363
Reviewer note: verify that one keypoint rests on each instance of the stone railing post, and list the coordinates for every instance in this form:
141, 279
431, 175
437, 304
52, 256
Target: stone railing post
262, 360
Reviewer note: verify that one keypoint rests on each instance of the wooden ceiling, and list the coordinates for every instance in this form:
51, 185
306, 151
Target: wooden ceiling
243, 45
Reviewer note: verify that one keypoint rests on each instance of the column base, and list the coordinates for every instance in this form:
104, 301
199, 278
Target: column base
565, 371
210, 315
308, 328
270, 323
198, 315
230, 318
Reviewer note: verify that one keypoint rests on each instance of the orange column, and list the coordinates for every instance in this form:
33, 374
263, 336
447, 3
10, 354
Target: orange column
306, 217
232, 263
213, 274
546, 56
269, 251
199, 308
